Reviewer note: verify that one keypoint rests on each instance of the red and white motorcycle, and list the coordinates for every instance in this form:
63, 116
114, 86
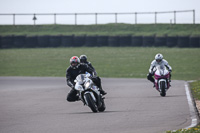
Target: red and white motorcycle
162, 75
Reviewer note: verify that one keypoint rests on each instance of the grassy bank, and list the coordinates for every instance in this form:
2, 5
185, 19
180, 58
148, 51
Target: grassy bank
129, 62
106, 29
195, 87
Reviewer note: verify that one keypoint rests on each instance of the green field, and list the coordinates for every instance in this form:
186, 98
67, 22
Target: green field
105, 29
120, 62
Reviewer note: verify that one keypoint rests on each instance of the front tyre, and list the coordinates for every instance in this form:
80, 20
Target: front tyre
91, 102
103, 106
162, 86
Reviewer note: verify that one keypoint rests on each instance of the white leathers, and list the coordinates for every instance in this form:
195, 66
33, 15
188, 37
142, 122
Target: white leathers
163, 62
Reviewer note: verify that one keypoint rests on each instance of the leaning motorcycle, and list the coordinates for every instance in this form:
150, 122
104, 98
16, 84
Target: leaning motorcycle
89, 93
161, 75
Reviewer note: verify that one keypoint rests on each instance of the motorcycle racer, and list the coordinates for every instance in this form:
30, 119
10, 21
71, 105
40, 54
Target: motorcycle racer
96, 79
72, 72
158, 61
83, 59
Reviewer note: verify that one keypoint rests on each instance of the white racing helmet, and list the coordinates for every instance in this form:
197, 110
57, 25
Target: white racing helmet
158, 57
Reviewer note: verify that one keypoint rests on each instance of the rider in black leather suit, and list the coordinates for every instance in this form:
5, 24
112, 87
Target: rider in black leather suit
72, 72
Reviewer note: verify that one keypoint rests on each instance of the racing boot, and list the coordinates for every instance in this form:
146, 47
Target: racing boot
170, 77
102, 91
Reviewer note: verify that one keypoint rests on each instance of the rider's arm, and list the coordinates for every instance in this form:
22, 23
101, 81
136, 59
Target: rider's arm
90, 65
167, 65
68, 79
90, 70
151, 67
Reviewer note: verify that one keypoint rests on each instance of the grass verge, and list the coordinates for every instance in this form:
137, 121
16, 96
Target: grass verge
119, 62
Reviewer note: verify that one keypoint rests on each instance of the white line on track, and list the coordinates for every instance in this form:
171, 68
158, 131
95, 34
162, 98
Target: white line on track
193, 114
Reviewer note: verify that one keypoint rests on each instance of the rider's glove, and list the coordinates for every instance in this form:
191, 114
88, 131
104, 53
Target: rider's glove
151, 73
91, 76
73, 87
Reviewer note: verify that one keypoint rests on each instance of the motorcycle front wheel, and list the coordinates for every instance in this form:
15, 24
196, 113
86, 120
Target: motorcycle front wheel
162, 85
91, 102
103, 106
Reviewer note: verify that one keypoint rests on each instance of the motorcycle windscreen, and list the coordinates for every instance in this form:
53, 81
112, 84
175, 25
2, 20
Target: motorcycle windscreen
80, 79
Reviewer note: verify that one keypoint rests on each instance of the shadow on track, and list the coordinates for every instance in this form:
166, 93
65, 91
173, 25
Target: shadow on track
95, 113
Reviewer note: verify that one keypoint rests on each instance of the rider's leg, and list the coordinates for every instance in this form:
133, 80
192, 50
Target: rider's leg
72, 96
150, 77
97, 81
170, 77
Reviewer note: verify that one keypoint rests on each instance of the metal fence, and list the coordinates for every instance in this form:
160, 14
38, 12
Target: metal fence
135, 15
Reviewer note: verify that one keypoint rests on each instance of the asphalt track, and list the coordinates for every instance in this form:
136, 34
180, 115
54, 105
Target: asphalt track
38, 105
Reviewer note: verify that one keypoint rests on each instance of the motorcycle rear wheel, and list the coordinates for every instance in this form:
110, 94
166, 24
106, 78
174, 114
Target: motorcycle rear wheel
91, 103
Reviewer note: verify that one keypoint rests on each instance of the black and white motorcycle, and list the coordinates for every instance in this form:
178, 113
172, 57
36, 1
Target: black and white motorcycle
89, 93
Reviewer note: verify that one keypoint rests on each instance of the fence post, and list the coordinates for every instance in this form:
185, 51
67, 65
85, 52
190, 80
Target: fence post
136, 18
193, 16
34, 18
116, 18
13, 19
155, 17
174, 17
55, 18
75, 19
96, 18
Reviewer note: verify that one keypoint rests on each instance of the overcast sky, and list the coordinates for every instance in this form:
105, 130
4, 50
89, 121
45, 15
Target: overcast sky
101, 6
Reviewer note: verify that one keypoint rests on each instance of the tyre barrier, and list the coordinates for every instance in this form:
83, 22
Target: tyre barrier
183, 41
172, 41
0, 41
160, 41
19, 41
102, 41
79, 41
7, 41
67, 41
137, 41
125, 41
194, 42
31, 42
43, 41
113, 41
90, 41
54, 41
11, 41
148, 41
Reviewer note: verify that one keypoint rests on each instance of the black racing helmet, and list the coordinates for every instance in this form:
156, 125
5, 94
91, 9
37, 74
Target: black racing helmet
83, 59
